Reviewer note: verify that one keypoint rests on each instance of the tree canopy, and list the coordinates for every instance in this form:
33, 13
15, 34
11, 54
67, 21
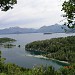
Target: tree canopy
69, 9
7, 4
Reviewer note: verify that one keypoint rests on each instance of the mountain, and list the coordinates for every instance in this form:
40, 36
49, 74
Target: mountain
53, 28
17, 30
44, 29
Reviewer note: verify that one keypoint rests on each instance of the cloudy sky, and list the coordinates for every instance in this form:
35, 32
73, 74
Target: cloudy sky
32, 14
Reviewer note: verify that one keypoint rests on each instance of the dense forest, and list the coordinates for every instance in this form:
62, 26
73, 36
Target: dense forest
62, 48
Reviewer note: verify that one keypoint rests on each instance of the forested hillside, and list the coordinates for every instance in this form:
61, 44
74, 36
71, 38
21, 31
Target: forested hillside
57, 48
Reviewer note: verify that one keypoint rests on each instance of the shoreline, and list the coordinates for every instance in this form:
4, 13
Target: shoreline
60, 61
43, 57
37, 56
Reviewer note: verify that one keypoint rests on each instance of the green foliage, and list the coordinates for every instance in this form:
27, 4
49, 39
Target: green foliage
9, 45
69, 9
44, 71
57, 48
4, 40
7, 4
68, 70
12, 69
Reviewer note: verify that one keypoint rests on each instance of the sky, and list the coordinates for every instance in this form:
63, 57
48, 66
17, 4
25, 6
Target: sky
32, 14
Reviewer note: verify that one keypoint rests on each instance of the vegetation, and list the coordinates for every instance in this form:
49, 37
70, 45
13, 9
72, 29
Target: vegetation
57, 48
12, 69
4, 40
69, 9
61, 48
7, 4
9, 45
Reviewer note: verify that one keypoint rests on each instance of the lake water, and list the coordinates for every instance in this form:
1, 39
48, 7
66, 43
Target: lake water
24, 58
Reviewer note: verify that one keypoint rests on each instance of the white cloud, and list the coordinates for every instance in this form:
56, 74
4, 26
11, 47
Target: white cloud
32, 13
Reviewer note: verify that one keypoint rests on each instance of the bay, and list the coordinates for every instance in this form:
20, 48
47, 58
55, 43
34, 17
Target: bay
23, 58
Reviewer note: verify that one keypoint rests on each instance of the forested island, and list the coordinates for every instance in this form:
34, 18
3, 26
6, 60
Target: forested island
9, 45
6, 42
5, 39
62, 48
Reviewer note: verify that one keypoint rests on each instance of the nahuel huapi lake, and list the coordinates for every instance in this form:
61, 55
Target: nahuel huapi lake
23, 58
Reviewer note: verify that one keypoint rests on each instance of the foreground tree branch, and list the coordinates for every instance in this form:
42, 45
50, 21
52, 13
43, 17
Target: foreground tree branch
69, 12
7, 4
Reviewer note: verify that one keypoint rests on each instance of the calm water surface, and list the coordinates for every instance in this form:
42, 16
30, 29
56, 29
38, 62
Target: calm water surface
24, 58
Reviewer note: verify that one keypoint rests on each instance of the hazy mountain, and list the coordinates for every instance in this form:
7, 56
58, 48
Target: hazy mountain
52, 28
17, 30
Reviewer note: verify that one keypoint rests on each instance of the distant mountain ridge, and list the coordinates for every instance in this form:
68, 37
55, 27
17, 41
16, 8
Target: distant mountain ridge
17, 30
52, 28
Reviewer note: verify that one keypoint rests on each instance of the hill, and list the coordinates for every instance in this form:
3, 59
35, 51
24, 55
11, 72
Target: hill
58, 48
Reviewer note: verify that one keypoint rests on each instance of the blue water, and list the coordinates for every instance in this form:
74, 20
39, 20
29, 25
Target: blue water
24, 58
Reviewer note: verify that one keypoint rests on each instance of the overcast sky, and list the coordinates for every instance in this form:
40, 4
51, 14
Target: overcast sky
32, 14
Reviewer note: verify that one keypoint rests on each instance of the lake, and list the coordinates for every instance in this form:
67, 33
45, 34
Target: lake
24, 58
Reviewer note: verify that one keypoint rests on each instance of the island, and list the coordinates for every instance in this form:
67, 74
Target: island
48, 33
9, 45
6, 39
6, 42
62, 48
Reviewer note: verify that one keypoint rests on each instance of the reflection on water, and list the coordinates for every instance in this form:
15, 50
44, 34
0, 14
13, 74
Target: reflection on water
33, 52
21, 57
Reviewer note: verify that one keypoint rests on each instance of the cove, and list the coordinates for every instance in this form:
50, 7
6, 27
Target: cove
23, 58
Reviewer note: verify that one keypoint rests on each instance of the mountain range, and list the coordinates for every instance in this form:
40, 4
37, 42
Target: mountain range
52, 29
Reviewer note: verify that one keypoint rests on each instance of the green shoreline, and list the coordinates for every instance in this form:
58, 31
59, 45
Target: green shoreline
41, 56
62, 49
44, 57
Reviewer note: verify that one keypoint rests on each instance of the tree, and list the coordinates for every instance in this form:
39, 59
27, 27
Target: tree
69, 9
7, 4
